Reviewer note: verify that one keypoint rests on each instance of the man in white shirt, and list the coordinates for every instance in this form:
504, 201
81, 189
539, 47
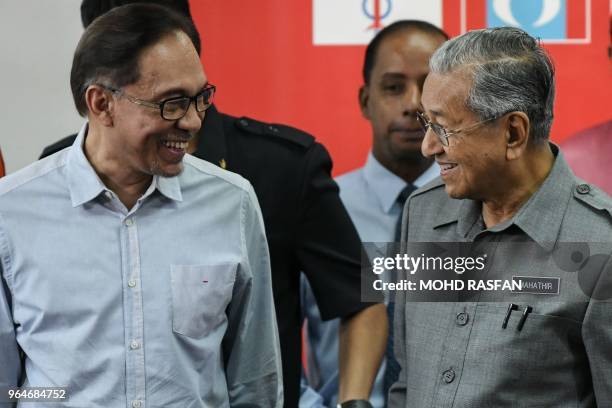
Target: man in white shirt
396, 64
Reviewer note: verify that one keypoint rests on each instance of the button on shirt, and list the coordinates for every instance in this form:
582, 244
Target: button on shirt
168, 304
370, 197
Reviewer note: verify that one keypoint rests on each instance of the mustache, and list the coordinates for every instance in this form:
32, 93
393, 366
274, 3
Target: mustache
178, 136
405, 125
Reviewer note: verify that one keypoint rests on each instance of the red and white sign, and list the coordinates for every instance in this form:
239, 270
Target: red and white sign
299, 62
353, 22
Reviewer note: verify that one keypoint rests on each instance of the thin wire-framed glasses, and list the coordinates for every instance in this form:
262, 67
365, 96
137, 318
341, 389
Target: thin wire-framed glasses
176, 107
442, 133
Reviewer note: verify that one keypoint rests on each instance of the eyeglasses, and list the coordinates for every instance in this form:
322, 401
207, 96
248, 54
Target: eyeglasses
442, 133
174, 108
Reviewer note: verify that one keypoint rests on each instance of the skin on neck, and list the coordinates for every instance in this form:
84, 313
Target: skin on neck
526, 175
128, 185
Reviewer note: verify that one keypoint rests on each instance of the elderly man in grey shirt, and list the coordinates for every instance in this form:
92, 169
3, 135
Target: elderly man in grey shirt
506, 192
134, 274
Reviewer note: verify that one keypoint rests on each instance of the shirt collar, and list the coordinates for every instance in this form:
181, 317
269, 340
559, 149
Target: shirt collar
83, 182
387, 185
540, 217
85, 185
170, 187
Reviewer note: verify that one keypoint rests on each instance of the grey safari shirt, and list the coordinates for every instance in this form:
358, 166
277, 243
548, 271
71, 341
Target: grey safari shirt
168, 304
456, 354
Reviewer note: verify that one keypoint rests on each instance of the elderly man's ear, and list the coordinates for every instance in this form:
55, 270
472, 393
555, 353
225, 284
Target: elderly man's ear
100, 104
516, 134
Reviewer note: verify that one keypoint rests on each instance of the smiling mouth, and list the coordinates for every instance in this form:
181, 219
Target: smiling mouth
175, 145
447, 166
173, 151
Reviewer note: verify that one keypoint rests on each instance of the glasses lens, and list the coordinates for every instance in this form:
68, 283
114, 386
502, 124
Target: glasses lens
422, 121
204, 99
440, 132
174, 109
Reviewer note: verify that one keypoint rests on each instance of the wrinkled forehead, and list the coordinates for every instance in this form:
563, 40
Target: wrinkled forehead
446, 94
410, 45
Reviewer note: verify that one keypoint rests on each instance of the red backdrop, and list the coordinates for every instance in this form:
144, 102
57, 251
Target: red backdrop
261, 56
1, 165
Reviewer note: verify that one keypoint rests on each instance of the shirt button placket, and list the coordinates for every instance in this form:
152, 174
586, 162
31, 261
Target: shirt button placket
135, 358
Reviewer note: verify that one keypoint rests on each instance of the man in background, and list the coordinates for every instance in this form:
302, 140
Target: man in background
307, 227
395, 66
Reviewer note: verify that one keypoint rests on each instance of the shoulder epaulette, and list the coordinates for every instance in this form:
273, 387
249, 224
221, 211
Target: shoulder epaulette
284, 132
593, 197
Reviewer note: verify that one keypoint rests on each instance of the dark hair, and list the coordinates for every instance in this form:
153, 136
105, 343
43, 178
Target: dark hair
401, 25
110, 48
92, 9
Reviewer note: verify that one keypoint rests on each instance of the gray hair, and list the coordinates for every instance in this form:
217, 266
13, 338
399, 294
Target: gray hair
511, 72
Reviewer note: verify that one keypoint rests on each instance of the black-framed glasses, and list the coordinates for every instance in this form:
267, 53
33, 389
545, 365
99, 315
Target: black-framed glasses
176, 107
442, 133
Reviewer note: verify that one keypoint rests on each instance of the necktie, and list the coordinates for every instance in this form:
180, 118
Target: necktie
401, 200
392, 369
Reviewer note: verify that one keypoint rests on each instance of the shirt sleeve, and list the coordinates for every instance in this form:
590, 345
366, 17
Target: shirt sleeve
597, 336
309, 398
321, 353
329, 248
251, 345
10, 363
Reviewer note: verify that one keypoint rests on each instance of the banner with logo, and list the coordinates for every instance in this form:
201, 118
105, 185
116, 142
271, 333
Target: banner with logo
367, 19
299, 62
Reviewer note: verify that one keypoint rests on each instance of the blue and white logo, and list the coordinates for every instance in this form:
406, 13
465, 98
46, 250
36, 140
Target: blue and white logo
546, 19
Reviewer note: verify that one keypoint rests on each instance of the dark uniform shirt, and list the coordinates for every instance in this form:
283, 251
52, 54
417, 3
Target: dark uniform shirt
461, 354
307, 227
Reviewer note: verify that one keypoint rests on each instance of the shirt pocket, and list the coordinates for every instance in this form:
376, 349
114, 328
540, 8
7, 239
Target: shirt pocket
200, 295
546, 347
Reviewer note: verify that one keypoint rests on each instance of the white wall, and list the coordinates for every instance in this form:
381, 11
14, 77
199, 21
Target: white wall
37, 41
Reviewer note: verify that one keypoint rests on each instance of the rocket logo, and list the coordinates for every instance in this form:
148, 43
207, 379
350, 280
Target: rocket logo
376, 16
356, 22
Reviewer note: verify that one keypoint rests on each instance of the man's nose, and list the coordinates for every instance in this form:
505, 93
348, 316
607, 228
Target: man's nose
412, 99
192, 121
431, 145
